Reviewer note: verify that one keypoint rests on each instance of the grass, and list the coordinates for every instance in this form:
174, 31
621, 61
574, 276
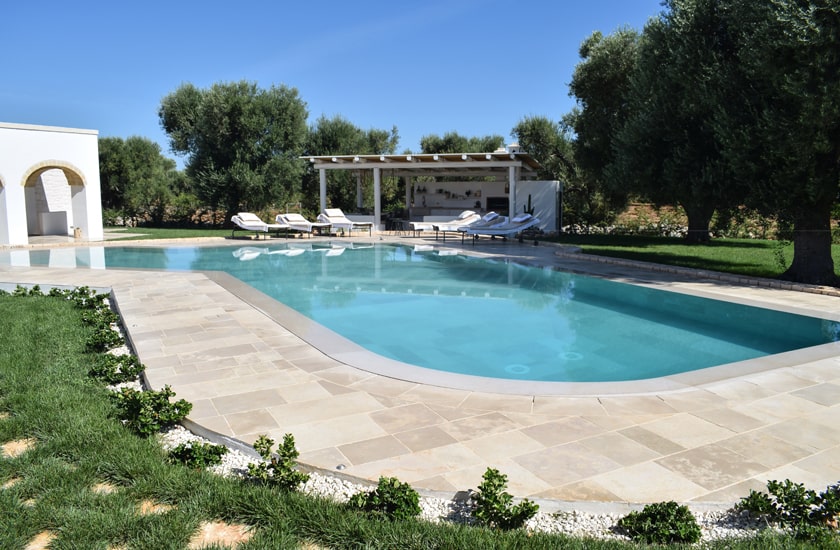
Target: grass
751, 257
47, 396
148, 233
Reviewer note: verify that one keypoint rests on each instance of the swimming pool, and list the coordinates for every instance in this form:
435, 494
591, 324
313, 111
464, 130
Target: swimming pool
453, 313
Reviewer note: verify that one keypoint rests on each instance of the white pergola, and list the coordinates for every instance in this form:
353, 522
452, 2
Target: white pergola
510, 163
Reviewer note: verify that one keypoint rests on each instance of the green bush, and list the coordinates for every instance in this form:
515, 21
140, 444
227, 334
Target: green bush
494, 506
197, 454
84, 297
100, 317
662, 523
23, 291
116, 369
147, 412
103, 339
392, 498
279, 469
807, 514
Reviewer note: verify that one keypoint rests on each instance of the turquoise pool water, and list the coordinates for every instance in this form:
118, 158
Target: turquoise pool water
491, 318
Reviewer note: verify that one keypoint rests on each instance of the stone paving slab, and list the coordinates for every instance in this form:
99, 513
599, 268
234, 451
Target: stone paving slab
705, 444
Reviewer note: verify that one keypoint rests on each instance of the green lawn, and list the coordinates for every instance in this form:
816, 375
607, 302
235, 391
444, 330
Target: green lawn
48, 399
753, 257
146, 233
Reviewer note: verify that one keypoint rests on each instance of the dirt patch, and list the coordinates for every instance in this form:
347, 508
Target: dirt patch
4, 415
15, 448
149, 507
41, 541
11, 483
219, 532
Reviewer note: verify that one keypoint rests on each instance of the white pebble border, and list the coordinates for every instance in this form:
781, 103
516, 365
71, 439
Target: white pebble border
714, 525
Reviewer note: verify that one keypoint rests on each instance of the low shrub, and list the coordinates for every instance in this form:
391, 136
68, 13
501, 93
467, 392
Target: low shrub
100, 317
280, 469
807, 514
23, 291
147, 412
662, 523
494, 506
116, 369
85, 297
391, 498
197, 454
103, 339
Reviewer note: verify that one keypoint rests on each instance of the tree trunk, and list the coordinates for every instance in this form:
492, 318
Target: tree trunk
699, 219
812, 262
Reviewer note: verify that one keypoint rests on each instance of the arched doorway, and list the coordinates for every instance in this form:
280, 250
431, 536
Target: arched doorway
55, 202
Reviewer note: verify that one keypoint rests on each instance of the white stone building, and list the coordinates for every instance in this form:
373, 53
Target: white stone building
49, 183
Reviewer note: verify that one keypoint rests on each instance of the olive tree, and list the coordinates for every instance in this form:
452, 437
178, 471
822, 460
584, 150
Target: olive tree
779, 120
136, 179
242, 143
453, 142
601, 84
667, 149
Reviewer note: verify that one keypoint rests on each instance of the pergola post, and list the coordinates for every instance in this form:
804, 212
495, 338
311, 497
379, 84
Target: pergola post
322, 176
377, 197
512, 196
407, 193
360, 203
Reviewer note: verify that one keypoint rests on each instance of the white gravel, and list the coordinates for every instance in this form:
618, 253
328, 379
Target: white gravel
714, 524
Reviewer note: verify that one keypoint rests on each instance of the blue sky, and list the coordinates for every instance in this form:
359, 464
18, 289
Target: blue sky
476, 67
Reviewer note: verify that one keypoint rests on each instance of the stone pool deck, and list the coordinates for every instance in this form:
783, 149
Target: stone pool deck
706, 440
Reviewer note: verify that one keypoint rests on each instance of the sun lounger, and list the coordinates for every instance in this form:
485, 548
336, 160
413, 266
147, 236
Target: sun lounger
336, 218
247, 221
516, 225
464, 218
443, 228
298, 223
488, 220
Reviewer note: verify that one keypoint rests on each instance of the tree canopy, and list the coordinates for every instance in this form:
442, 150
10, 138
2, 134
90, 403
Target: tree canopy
339, 136
601, 86
722, 103
779, 126
242, 143
667, 148
136, 178
453, 142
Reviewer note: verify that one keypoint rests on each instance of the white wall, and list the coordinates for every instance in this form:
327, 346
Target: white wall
545, 197
25, 149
